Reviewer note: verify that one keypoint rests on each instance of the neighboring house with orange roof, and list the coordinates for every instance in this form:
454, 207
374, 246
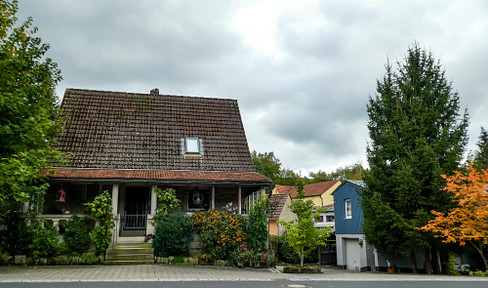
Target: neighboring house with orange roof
279, 210
320, 193
131, 143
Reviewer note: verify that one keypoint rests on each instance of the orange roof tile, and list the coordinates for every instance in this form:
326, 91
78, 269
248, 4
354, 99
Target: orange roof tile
314, 189
157, 175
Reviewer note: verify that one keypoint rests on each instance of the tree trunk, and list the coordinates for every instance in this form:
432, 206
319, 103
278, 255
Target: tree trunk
413, 261
301, 259
428, 262
436, 258
480, 250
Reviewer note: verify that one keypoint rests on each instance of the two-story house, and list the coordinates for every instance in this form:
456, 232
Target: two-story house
131, 143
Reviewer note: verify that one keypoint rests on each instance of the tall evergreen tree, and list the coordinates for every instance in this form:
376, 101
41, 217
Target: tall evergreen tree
417, 134
481, 156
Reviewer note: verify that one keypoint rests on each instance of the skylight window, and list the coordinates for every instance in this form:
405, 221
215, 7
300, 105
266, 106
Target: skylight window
191, 145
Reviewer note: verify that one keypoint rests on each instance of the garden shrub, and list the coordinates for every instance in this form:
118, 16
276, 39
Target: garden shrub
174, 233
285, 253
44, 240
77, 234
257, 229
220, 232
166, 200
243, 256
15, 240
101, 209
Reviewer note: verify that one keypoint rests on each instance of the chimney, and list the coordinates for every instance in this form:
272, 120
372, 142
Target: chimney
155, 91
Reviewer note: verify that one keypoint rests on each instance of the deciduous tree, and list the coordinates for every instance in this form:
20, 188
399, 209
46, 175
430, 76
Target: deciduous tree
301, 234
29, 119
467, 222
350, 172
417, 134
266, 164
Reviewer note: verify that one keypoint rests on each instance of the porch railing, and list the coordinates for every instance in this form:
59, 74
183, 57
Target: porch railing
134, 221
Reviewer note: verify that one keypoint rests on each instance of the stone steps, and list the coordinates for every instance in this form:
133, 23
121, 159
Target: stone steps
130, 253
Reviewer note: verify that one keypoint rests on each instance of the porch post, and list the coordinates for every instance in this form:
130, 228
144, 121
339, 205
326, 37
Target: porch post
213, 198
153, 199
115, 199
239, 200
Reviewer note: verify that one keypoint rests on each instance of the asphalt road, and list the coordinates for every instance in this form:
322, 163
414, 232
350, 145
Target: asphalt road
253, 284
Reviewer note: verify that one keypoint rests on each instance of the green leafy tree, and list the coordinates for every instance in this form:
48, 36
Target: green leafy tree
29, 119
290, 178
301, 234
481, 156
257, 229
350, 172
417, 134
266, 164
166, 200
101, 210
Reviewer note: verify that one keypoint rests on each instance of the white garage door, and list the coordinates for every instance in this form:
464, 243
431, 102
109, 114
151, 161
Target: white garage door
352, 254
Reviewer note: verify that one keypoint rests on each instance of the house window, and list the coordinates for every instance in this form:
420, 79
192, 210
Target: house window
191, 145
329, 218
319, 219
348, 208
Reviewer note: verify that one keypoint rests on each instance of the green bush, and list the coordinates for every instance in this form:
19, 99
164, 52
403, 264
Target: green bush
44, 240
101, 208
77, 235
174, 233
286, 254
257, 230
15, 240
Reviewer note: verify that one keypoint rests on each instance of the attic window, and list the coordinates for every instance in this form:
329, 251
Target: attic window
348, 208
191, 145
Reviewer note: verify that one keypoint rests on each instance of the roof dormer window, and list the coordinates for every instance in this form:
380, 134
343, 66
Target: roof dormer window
191, 145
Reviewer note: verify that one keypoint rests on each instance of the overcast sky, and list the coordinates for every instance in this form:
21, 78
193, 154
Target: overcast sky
302, 71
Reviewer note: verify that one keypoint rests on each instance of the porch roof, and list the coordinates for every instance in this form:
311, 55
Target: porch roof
157, 176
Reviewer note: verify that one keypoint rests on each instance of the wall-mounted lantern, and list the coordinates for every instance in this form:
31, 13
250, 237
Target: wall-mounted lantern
61, 196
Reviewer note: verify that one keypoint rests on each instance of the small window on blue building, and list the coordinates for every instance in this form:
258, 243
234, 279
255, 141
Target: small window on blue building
348, 208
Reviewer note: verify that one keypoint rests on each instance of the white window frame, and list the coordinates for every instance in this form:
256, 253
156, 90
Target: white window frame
190, 144
348, 208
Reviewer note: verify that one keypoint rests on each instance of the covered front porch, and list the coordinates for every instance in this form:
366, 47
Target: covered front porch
134, 204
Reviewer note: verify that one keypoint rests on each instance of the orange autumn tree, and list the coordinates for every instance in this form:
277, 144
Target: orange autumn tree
467, 222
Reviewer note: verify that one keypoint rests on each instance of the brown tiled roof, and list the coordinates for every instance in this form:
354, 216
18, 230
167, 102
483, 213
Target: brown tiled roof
119, 131
314, 189
286, 189
158, 175
276, 204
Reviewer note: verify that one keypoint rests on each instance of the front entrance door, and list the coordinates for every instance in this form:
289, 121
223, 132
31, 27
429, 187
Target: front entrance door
135, 213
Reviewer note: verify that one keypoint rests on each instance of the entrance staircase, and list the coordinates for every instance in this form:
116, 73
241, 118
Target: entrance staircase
130, 253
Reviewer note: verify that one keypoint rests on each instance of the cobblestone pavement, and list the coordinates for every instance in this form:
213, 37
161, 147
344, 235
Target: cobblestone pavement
189, 273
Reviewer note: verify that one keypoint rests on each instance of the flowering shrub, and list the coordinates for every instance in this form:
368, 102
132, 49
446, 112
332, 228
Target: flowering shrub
244, 257
220, 232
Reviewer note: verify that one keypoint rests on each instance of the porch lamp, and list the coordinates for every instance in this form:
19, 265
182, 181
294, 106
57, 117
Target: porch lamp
197, 196
61, 196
